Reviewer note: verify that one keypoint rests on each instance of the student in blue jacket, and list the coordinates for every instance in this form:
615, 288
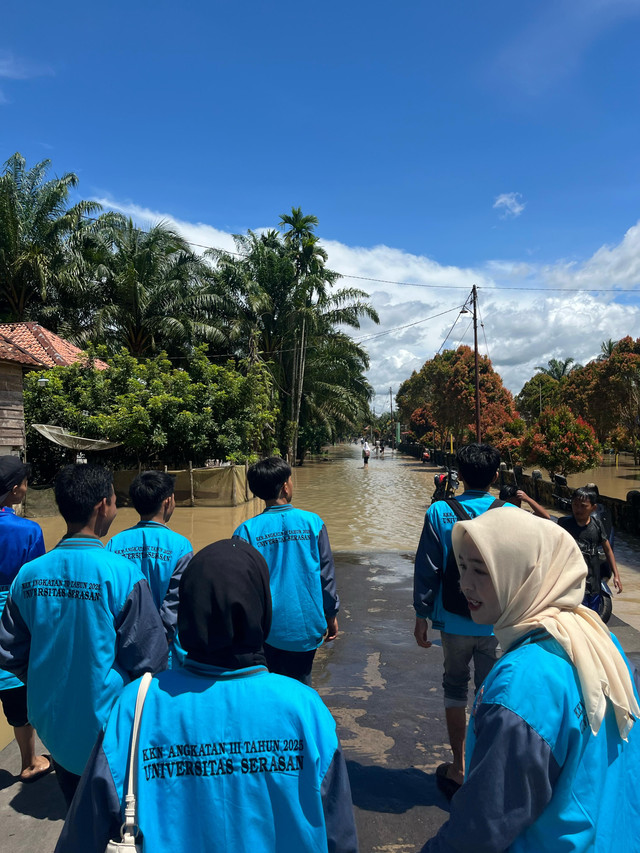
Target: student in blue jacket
159, 552
230, 757
21, 540
295, 545
78, 625
553, 749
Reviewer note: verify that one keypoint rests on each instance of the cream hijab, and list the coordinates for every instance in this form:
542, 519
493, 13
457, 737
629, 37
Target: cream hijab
538, 573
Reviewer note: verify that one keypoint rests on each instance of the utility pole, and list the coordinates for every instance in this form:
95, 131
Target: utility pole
474, 297
393, 443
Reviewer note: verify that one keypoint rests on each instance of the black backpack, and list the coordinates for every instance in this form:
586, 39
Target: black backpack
452, 598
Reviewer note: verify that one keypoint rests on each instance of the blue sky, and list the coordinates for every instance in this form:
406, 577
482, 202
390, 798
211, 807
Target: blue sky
442, 144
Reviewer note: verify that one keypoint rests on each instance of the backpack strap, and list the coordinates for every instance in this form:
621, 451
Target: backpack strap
456, 506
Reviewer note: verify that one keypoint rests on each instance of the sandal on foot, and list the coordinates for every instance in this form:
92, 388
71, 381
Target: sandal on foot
40, 774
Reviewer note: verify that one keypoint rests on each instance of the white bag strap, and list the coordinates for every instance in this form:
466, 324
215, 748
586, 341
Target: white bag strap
129, 828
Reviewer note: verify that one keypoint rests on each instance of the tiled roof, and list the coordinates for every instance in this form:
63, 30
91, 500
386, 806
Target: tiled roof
34, 346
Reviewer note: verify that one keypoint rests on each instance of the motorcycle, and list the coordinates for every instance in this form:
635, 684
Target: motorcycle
446, 485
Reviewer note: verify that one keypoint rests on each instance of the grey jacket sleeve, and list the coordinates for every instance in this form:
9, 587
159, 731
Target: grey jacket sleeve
141, 640
427, 570
330, 600
508, 786
94, 816
15, 641
169, 609
338, 808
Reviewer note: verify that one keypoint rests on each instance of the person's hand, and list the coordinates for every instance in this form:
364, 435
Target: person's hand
522, 496
617, 583
421, 633
332, 628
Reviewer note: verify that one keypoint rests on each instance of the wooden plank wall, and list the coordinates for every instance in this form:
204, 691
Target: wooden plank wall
11, 405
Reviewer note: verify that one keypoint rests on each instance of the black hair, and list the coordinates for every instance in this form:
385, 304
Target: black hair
477, 464
150, 489
78, 488
508, 492
584, 494
268, 476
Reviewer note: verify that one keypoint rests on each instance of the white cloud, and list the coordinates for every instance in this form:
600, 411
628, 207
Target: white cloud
509, 204
530, 315
15, 68
552, 45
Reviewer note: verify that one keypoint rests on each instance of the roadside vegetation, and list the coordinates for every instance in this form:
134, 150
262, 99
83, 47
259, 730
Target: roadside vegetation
215, 355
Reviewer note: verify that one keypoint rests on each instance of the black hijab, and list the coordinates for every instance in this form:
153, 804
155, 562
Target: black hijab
224, 614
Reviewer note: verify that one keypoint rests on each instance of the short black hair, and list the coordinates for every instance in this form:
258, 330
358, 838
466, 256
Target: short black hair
149, 489
508, 492
584, 493
477, 464
268, 476
78, 488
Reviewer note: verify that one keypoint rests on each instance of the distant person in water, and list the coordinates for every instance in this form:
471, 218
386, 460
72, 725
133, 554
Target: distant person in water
295, 545
366, 452
21, 541
515, 496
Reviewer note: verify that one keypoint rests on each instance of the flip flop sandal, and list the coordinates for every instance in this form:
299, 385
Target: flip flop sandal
40, 774
446, 785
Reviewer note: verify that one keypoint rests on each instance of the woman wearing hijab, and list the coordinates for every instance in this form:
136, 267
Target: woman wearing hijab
231, 757
553, 750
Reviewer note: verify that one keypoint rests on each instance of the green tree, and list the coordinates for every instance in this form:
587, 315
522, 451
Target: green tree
540, 392
157, 411
156, 293
558, 369
40, 263
561, 443
280, 310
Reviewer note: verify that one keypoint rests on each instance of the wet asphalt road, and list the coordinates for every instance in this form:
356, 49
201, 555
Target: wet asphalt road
385, 694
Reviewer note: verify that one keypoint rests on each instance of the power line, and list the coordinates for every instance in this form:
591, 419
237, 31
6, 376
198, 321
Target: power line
407, 325
421, 284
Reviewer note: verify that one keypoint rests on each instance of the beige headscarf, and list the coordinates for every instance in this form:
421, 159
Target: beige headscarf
538, 573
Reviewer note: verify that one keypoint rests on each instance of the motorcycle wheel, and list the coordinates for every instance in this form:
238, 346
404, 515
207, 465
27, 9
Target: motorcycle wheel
606, 608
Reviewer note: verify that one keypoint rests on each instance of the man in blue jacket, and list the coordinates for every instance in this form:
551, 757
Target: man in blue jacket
295, 545
462, 639
160, 553
79, 624
21, 540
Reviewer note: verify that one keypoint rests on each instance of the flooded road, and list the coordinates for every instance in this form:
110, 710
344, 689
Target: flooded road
375, 509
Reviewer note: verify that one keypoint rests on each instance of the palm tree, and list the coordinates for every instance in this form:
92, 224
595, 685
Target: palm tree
157, 292
279, 309
39, 261
606, 349
557, 369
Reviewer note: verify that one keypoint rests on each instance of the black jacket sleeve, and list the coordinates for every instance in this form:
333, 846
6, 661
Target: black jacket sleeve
508, 786
337, 807
330, 600
15, 641
94, 816
141, 639
169, 609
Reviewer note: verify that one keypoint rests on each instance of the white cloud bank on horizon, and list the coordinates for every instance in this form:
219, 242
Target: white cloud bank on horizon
509, 204
523, 328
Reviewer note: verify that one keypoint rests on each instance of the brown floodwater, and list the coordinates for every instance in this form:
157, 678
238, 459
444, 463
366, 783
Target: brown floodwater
378, 508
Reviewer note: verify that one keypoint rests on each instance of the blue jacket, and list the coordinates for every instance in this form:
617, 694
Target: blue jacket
79, 624
241, 761
296, 548
21, 540
538, 779
431, 560
161, 555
